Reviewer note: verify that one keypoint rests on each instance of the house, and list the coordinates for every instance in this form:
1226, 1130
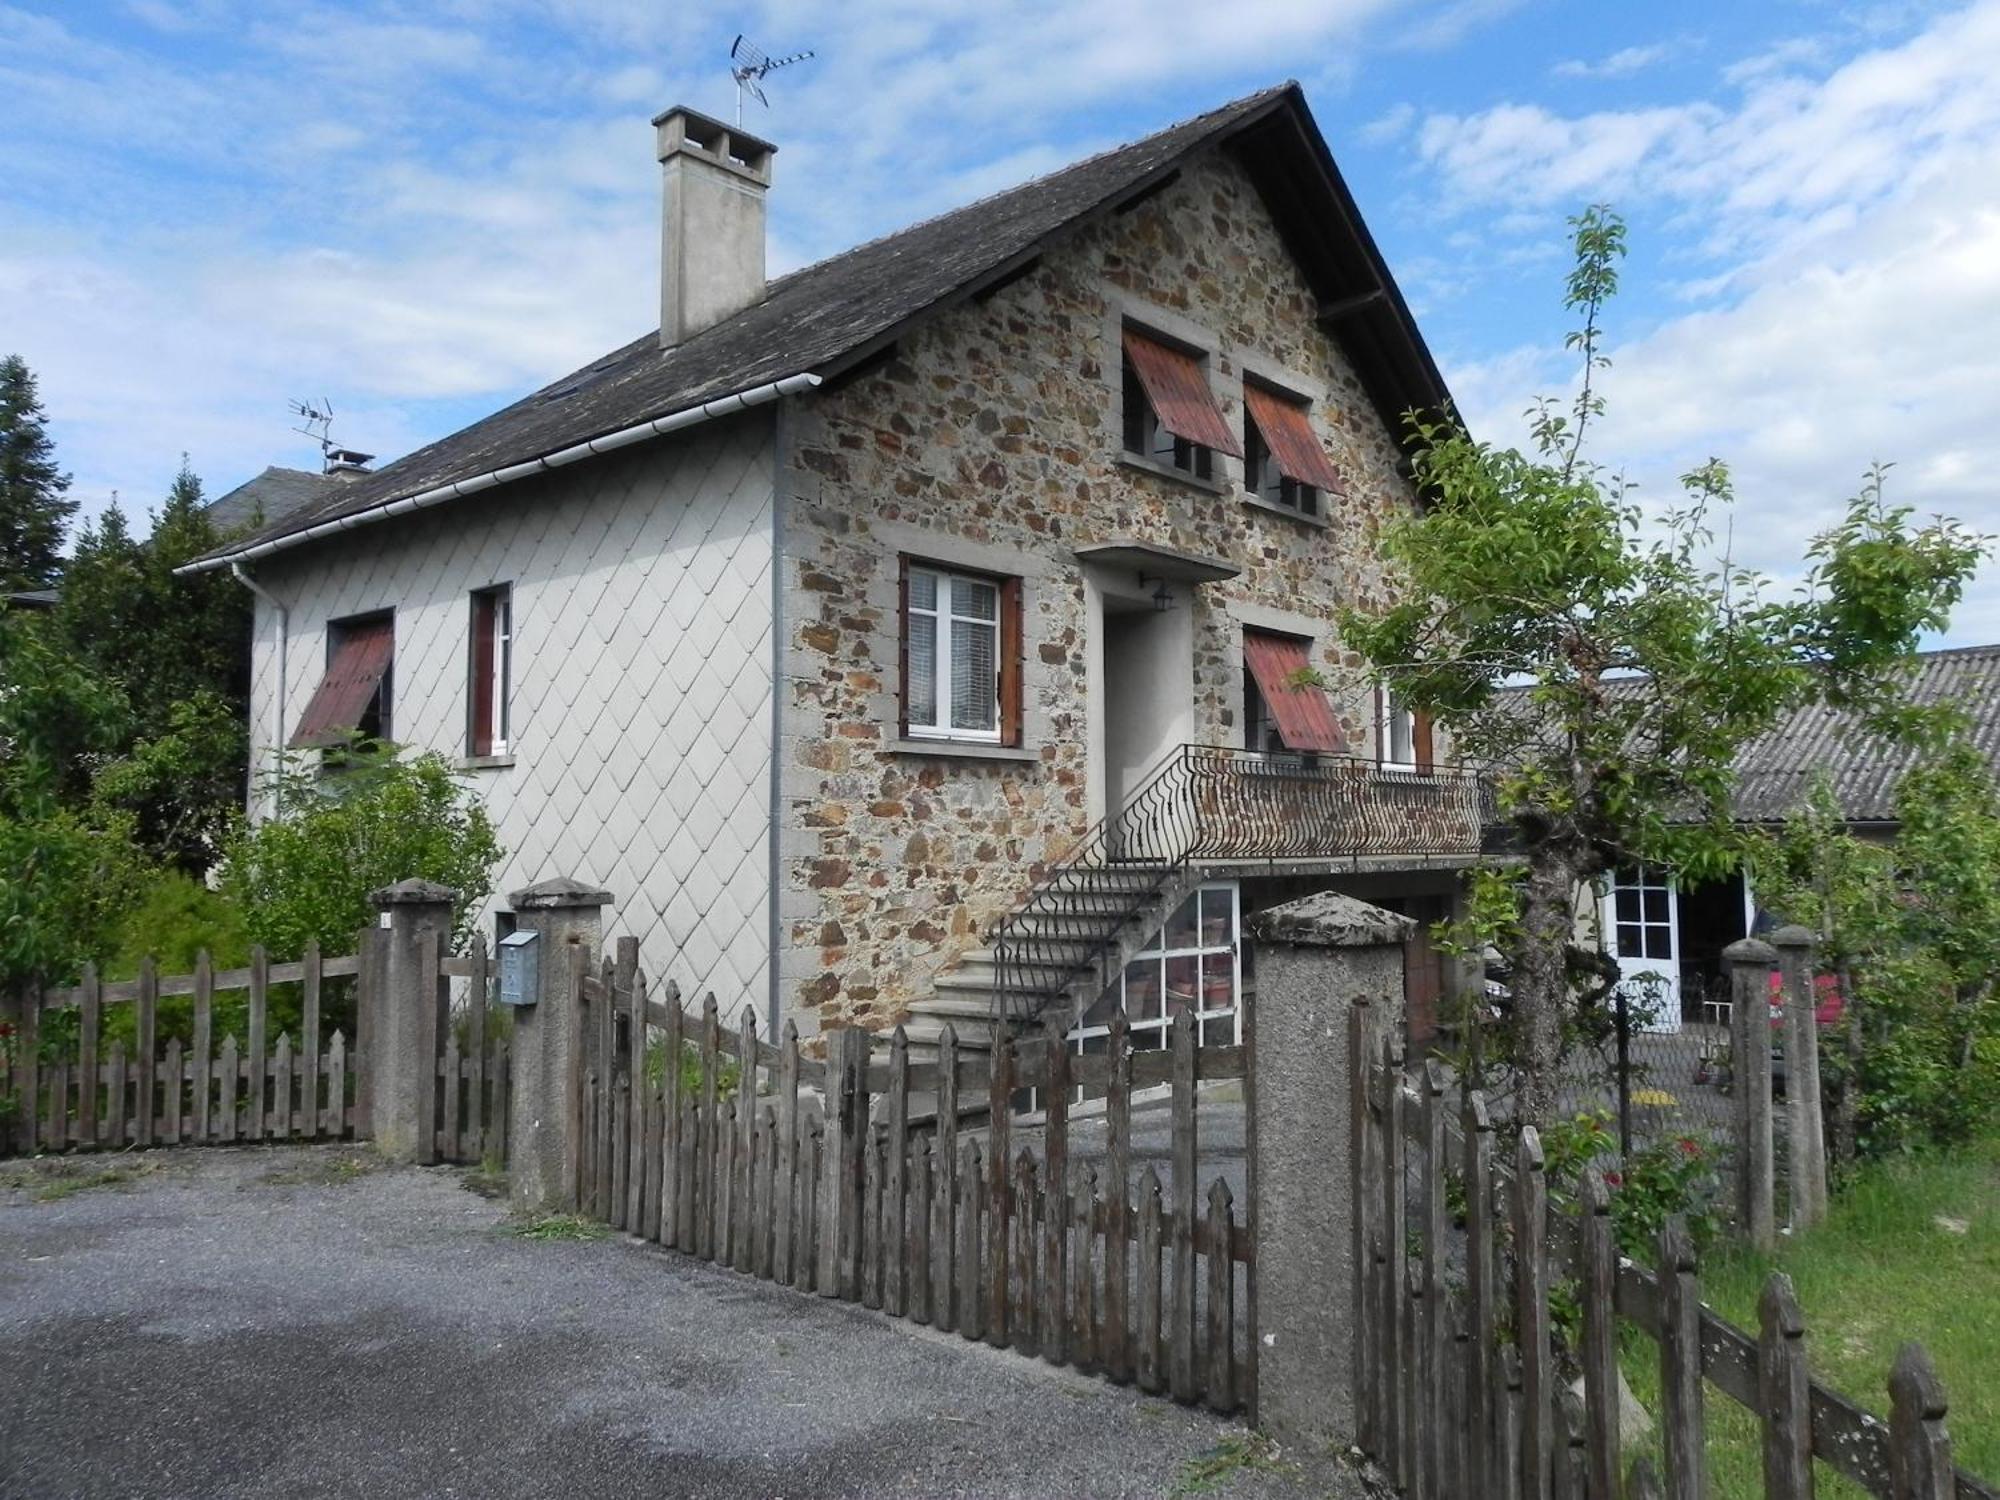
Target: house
1672, 936
948, 624
274, 495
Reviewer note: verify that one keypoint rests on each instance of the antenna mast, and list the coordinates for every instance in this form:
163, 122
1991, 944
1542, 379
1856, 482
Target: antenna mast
748, 65
316, 423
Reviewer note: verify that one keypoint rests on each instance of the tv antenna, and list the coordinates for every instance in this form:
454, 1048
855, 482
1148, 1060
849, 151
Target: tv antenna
748, 65
316, 423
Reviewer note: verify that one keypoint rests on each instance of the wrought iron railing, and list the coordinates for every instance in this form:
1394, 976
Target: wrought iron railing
1211, 805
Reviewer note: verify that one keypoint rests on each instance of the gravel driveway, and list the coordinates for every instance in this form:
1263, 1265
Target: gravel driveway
295, 1321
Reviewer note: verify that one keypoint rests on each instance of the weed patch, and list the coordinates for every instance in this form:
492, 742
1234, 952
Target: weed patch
50, 1179
1240, 1453
560, 1227
329, 1170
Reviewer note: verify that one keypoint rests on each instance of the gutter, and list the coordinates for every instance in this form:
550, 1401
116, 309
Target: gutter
693, 416
284, 649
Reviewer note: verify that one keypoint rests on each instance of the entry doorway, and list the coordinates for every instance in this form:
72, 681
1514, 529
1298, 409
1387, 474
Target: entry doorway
1668, 941
1148, 676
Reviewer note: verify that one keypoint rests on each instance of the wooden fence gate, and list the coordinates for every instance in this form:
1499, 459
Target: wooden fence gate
852, 1178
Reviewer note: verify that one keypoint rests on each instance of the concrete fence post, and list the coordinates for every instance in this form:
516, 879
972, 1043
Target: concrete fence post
568, 918
1751, 962
411, 1013
1316, 959
1796, 950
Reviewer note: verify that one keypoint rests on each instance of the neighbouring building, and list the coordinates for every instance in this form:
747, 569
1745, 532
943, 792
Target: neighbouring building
950, 624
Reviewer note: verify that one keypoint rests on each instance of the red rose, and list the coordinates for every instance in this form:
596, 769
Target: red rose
1612, 1179
1689, 1147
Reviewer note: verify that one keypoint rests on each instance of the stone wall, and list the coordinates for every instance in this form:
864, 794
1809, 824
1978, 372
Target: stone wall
990, 438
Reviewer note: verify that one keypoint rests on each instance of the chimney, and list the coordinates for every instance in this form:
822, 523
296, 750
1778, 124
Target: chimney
345, 463
712, 232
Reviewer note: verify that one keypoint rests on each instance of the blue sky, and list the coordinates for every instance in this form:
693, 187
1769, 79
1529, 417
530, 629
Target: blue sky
419, 211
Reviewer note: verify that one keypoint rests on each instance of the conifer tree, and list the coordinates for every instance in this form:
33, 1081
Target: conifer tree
34, 508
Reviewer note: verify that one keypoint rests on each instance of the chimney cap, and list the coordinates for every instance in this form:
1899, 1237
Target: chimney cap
685, 131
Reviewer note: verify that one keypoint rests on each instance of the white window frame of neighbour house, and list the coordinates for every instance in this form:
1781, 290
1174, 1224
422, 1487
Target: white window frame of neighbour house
952, 632
1208, 954
1391, 716
498, 683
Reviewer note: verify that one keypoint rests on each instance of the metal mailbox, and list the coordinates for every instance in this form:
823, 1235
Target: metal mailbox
520, 967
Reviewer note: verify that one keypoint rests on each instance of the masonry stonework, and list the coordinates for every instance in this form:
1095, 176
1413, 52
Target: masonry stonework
990, 438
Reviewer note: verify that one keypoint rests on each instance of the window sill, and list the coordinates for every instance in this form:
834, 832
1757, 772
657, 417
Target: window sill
1297, 517
1130, 460
483, 762
963, 750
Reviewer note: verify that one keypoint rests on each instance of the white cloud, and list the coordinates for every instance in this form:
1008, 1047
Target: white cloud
1620, 64
1851, 225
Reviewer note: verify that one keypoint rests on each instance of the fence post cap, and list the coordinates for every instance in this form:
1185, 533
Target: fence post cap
551, 895
414, 892
1794, 936
1749, 951
1328, 919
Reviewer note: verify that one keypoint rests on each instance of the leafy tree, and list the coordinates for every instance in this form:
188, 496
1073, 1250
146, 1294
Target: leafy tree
307, 872
34, 510
1641, 667
182, 788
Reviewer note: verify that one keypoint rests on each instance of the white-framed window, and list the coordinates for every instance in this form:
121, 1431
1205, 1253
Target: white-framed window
491, 673
952, 654
1193, 963
1396, 732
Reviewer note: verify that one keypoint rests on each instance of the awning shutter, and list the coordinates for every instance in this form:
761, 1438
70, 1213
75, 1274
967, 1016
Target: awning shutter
1304, 713
1180, 395
1288, 434
352, 680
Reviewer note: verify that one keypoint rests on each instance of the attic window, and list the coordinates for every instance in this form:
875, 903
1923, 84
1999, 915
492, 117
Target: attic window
1170, 414
1284, 463
352, 699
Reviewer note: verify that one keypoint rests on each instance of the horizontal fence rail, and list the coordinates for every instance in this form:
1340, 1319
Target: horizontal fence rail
1459, 1390
808, 1172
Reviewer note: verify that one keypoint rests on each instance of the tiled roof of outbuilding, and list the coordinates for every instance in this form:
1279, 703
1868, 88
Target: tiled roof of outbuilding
828, 317
272, 497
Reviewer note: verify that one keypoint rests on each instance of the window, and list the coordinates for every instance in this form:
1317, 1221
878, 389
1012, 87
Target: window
491, 672
1285, 703
961, 655
1283, 460
1402, 736
1170, 415
353, 699
1192, 964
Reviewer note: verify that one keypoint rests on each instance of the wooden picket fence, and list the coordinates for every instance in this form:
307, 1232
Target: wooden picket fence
1458, 1391
199, 1093
474, 1077
809, 1173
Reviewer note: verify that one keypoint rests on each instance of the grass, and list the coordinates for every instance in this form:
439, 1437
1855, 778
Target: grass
560, 1227
1910, 1251
325, 1169
50, 1179
1237, 1454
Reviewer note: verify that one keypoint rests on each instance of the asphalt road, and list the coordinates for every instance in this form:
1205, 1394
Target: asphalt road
292, 1322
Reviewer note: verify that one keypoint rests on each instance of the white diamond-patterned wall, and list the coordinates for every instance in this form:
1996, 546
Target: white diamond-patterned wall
641, 695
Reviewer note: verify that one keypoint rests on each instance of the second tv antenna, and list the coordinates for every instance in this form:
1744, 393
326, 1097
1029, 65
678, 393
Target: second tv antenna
748, 65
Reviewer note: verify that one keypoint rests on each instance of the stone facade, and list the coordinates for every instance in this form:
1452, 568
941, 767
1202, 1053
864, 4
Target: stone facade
990, 438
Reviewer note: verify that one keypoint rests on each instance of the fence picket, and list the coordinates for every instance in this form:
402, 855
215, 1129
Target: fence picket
90, 1020
1573, 1459
686, 1172
1145, 1333
1482, 1310
55, 1129
1783, 1390
785, 1230
1023, 1320
871, 1218
746, 1122
253, 1050
895, 1260
807, 1259
1419, 1421
1436, 1331
763, 1170
944, 1310
1393, 1273
638, 1118
225, 1103
1600, 1336
171, 1077
917, 1235
1919, 1447
478, 995
280, 1123
145, 1043
26, 1066
1000, 1188
723, 1173
454, 1095
202, 1060
307, 1062
1082, 1263
1055, 1228
1182, 1335
1221, 1298
1531, 1317
673, 1182
1364, 1195
1680, 1366
334, 1121
704, 1157
1116, 1344
972, 1287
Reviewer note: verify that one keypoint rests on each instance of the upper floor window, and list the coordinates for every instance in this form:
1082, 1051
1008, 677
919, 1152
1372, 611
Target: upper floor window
354, 698
1285, 706
1170, 414
1283, 461
490, 672
961, 653
1403, 736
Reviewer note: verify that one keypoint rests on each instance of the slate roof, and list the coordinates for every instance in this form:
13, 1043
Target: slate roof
273, 496
830, 316
1775, 772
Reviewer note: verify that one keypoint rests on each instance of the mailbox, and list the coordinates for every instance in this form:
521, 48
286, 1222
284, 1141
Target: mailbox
520, 967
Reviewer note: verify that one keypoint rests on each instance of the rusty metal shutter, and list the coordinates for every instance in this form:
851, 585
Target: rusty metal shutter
1180, 395
1288, 434
1305, 715
352, 680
